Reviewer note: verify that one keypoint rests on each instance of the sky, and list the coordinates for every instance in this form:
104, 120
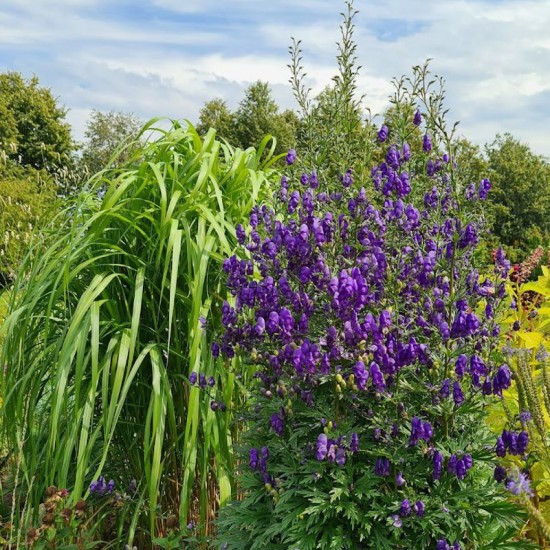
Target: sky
168, 57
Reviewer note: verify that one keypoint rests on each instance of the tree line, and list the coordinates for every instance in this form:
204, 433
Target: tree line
41, 163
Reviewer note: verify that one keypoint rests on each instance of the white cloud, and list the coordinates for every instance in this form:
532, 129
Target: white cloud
173, 55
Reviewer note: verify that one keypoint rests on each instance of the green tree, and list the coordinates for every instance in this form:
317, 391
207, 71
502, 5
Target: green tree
105, 134
216, 114
520, 198
258, 115
33, 130
25, 196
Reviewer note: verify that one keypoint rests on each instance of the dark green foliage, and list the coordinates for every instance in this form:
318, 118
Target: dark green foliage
25, 196
105, 134
320, 506
257, 116
520, 198
33, 131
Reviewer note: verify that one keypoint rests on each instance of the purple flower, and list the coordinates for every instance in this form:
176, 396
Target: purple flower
291, 157
484, 188
361, 375
406, 152
253, 462
100, 488
383, 134
322, 447
458, 396
354, 443
500, 474
438, 464
340, 456
522, 442
193, 378
417, 120
426, 143
445, 389
313, 181
460, 469
419, 508
518, 483
500, 448
346, 179
277, 423
382, 467
396, 521
405, 509
215, 350
399, 480
460, 365
524, 417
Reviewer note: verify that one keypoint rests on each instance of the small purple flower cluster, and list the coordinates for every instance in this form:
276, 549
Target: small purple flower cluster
518, 483
460, 466
512, 443
442, 544
100, 487
334, 450
420, 430
203, 381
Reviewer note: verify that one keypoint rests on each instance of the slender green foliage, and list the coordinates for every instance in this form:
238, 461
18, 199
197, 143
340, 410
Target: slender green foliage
106, 327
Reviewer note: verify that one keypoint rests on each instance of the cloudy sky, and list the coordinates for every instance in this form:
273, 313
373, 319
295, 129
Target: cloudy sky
167, 57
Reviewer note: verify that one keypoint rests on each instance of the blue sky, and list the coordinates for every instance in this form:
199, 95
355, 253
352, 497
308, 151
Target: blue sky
167, 57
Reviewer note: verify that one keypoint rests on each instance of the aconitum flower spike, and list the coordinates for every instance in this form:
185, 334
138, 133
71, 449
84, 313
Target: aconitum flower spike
417, 120
458, 396
193, 378
340, 456
253, 462
500, 448
322, 447
405, 509
419, 508
427, 143
291, 157
438, 464
354, 443
522, 441
500, 474
313, 181
383, 134
346, 179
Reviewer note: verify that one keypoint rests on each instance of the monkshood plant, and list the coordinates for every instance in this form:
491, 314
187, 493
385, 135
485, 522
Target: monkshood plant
374, 338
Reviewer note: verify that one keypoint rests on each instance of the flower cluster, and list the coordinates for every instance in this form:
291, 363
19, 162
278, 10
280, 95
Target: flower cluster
512, 443
373, 313
100, 487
